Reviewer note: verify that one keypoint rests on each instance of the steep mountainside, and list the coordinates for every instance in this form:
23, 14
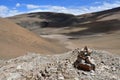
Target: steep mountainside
16, 41
98, 22
99, 30
44, 19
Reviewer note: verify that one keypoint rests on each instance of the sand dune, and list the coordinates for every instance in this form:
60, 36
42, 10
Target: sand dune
16, 41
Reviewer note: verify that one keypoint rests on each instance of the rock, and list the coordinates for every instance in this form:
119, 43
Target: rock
76, 78
60, 76
85, 73
61, 67
84, 67
13, 76
113, 68
84, 61
92, 73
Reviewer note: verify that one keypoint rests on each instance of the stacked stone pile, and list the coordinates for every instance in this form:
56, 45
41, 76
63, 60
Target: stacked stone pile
60, 67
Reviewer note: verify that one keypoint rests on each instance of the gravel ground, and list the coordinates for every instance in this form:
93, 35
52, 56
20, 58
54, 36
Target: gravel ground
60, 67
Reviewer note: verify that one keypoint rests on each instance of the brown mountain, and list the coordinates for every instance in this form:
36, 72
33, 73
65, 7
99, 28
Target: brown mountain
16, 41
98, 22
99, 30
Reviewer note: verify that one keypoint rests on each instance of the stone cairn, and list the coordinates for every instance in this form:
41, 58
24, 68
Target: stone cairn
84, 61
74, 65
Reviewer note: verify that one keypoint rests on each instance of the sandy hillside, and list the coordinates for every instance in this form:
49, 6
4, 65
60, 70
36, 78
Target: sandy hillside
16, 41
99, 30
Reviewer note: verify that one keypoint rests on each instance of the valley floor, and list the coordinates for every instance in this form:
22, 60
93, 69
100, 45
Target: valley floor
107, 42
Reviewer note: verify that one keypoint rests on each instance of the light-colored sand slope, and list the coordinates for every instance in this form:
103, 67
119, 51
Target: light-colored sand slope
15, 41
109, 43
100, 30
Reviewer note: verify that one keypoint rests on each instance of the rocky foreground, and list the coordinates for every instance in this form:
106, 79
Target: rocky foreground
60, 67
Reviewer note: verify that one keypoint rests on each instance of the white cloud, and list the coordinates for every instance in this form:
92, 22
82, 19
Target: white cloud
31, 6
2, 8
104, 6
97, 2
18, 5
75, 10
5, 11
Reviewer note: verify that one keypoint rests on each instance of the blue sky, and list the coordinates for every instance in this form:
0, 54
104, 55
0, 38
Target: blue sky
77, 7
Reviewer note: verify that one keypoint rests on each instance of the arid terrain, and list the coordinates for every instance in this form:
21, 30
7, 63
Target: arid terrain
58, 46
60, 67
99, 30
16, 41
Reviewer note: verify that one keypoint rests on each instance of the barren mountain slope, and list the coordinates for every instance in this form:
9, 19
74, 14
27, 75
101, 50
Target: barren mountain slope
98, 22
16, 41
99, 30
43, 19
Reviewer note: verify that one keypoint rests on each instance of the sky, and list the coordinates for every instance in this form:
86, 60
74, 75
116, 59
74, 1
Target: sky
76, 7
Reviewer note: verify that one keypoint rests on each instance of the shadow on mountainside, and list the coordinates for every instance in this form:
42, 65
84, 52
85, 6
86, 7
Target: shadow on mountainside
54, 19
97, 27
